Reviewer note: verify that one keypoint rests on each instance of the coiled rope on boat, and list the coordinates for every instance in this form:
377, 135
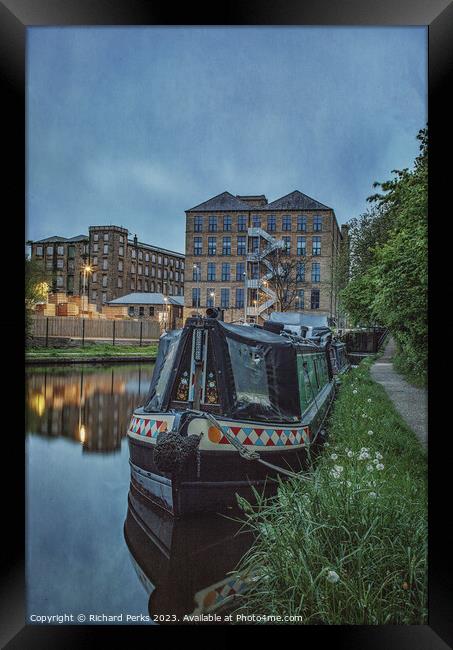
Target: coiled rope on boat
173, 451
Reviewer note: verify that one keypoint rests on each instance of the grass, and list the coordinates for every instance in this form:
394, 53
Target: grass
347, 543
92, 350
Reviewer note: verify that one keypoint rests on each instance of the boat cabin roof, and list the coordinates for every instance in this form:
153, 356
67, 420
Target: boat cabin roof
247, 373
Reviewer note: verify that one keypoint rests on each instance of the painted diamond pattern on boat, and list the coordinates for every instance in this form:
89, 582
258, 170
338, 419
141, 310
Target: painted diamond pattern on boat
145, 426
267, 437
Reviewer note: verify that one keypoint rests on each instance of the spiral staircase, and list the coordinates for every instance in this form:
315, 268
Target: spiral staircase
261, 257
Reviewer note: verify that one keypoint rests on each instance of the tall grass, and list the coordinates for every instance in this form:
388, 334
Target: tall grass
94, 349
347, 544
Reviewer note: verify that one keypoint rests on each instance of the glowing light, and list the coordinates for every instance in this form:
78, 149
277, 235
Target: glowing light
82, 433
42, 289
38, 403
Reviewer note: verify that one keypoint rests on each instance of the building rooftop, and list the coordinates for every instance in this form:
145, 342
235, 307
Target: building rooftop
57, 239
147, 298
293, 201
157, 249
224, 201
78, 238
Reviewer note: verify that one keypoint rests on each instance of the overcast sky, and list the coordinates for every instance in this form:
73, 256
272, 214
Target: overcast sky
132, 126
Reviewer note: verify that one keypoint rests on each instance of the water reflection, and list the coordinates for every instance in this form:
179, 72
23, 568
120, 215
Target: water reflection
83, 530
183, 564
89, 405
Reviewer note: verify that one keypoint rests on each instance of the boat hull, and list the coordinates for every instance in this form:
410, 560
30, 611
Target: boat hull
218, 474
216, 481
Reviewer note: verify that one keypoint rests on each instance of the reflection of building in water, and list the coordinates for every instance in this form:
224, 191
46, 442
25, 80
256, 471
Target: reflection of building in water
185, 564
92, 408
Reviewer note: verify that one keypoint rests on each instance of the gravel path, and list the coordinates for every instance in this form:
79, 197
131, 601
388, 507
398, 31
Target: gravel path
410, 402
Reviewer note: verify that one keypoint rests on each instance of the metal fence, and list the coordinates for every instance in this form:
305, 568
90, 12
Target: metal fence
364, 341
49, 327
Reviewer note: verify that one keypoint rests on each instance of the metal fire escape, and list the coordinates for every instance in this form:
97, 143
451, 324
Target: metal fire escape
259, 256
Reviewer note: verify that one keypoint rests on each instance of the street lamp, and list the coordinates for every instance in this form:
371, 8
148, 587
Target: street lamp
245, 296
86, 269
195, 266
166, 313
266, 296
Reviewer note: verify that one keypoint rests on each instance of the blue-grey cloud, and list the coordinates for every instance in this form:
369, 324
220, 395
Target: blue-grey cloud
134, 125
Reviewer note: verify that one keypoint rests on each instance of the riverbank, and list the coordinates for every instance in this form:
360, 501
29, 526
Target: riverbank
348, 545
97, 353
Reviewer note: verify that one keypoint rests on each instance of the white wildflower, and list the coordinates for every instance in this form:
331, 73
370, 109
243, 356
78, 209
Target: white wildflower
355, 391
364, 415
370, 467
334, 456
336, 471
373, 495
375, 461
348, 483
378, 455
364, 455
333, 577
380, 466
326, 444
370, 433
350, 454
369, 399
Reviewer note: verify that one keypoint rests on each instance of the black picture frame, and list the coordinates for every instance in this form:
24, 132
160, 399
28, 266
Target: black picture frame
15, 17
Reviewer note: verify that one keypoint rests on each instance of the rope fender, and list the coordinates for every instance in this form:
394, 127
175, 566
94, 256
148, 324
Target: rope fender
173, 451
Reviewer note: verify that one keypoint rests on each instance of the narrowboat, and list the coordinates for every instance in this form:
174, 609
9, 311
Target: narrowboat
230, 408
187, 565
316, 328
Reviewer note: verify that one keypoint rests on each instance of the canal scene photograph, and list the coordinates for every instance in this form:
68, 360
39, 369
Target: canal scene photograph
226, 326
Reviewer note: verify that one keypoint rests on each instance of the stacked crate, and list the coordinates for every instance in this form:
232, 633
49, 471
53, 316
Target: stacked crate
67, 309
76, 300
57, 298
45, 309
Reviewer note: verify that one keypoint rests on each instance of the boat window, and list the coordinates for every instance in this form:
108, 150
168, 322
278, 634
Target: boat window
333, 360
168, 346
250, 374
316, 373
308, 385
322, 370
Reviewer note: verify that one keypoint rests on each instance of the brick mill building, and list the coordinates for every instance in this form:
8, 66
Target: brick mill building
229, 240
118, 265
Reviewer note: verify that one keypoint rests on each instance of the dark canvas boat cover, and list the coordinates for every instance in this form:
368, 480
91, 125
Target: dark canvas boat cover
256, 371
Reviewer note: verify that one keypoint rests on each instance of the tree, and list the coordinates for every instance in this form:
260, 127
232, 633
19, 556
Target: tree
36, 288
282, 274
389, 260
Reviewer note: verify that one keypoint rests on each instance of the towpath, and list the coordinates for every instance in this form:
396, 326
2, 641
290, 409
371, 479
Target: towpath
409, 401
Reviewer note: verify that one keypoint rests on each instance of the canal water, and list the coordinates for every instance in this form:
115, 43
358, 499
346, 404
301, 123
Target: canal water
95, 548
